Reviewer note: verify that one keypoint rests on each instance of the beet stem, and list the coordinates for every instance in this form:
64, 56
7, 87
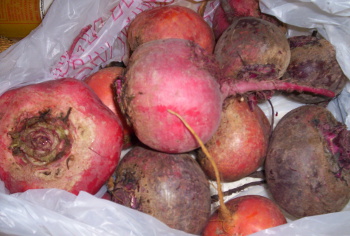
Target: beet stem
214, 198
231, 87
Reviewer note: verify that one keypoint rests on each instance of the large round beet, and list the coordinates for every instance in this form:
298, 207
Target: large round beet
170, 187
307, 163
313, 62
57, 134
174, 74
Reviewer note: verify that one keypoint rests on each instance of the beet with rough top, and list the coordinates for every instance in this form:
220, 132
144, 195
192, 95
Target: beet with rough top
308, 162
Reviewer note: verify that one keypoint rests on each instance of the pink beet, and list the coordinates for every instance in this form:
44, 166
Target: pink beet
57, 134
180, 75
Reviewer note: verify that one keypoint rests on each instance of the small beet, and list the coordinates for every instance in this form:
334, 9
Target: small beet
171, 187
250, 214
102, 83
313, 62
307, 164
240, 143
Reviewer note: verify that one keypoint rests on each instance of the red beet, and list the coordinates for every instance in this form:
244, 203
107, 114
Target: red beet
229, 10
102, 83
179, 75
250, 214
239, 145
54, 135
313, 62
308, 162
170, 187
171, 21
182, 71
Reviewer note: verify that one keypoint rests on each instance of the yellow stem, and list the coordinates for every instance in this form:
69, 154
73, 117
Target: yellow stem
223, 208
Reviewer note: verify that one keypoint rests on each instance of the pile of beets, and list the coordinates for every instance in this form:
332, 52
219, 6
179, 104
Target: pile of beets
185, 106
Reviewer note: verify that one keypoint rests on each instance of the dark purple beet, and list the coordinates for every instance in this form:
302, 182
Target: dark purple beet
307, 165
313, 63
252, 48
171, 187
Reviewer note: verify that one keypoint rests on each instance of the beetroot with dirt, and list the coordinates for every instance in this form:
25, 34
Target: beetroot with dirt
171, 187
307, 164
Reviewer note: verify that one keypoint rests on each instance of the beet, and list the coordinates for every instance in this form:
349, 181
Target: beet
250, 214
54, 135
240, 143
313, 62
308, 162
170, 187
102, 82
252, 48
172, 74
170, 21
242, 215
179, 75
230, 10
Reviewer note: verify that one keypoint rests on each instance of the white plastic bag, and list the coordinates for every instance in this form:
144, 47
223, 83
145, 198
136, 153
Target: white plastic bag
74, 40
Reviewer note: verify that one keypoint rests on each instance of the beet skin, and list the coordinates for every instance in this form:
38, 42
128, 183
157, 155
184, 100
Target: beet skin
170, 187
307, 162
240, 143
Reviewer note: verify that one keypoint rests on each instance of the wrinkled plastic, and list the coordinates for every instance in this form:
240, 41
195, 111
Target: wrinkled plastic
74, 40
57, 212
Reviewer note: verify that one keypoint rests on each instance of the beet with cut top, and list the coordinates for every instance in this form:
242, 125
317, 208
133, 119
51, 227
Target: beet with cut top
171, 187
57, 134
308, 162
313, 62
